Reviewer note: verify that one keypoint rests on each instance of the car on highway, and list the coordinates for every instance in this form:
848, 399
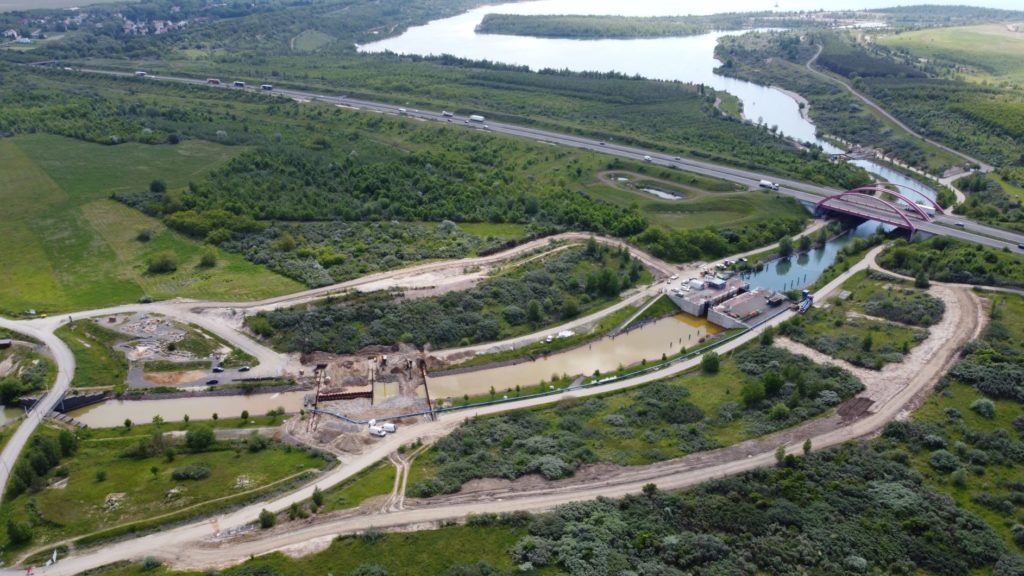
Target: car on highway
647, 158
961, 225
245, 369
600, 143
217, 369
212, 382
1021, 246
676, 158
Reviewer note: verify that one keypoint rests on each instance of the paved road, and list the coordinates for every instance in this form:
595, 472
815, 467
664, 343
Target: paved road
952, 226
65, 361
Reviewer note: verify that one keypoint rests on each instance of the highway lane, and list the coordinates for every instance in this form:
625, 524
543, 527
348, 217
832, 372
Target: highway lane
943, 225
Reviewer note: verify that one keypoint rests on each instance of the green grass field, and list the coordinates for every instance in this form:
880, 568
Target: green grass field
311, 40
991, 52
97, 364
424, 552
377, 480
84, 504
700, 211
70, 247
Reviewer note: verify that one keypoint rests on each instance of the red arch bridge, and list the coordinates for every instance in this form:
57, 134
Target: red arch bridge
868, 202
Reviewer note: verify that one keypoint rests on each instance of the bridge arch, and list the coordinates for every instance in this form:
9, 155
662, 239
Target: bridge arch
898, 217
865, 190
938, 208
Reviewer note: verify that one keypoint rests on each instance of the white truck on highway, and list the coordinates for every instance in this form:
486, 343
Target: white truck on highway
769, 185
476, 118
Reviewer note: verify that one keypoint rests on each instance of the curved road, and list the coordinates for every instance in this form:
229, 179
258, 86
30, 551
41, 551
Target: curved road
194, 545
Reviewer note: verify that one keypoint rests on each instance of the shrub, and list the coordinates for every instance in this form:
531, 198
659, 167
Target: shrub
18, 532
101, 475
144, 235
199, 438
370, 570
984, 407
267, 519
151, 563
943, 461
208, 259
162, 262
257, 442
158, 186
710, 363
197, 471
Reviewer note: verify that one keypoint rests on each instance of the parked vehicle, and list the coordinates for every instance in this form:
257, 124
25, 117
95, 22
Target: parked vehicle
389, 427
377, 431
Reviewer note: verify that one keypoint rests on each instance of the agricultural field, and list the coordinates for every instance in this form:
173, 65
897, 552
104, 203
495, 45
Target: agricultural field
103, 480
990, 53
741, 398
70, 247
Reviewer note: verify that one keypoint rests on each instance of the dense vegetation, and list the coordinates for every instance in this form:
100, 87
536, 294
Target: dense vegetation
521, 299
754, 392
851, 510
967, 439
594, 27
994, 198
25, 371
950, 260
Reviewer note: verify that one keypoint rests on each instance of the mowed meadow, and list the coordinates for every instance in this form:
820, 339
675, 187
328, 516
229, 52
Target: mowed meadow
67, 246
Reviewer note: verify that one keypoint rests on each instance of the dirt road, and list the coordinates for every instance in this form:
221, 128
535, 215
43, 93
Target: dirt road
197, 545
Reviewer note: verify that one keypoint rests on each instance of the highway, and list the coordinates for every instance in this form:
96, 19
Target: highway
941, 225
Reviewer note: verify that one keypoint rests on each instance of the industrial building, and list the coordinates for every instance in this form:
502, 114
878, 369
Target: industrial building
696, 296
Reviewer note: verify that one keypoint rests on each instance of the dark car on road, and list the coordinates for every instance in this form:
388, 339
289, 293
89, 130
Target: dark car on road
212, 382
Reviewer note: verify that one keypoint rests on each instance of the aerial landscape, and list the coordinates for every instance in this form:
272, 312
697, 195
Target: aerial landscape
544, 287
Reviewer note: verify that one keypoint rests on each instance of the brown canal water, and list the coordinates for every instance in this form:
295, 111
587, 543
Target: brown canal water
113, 412
665, 336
